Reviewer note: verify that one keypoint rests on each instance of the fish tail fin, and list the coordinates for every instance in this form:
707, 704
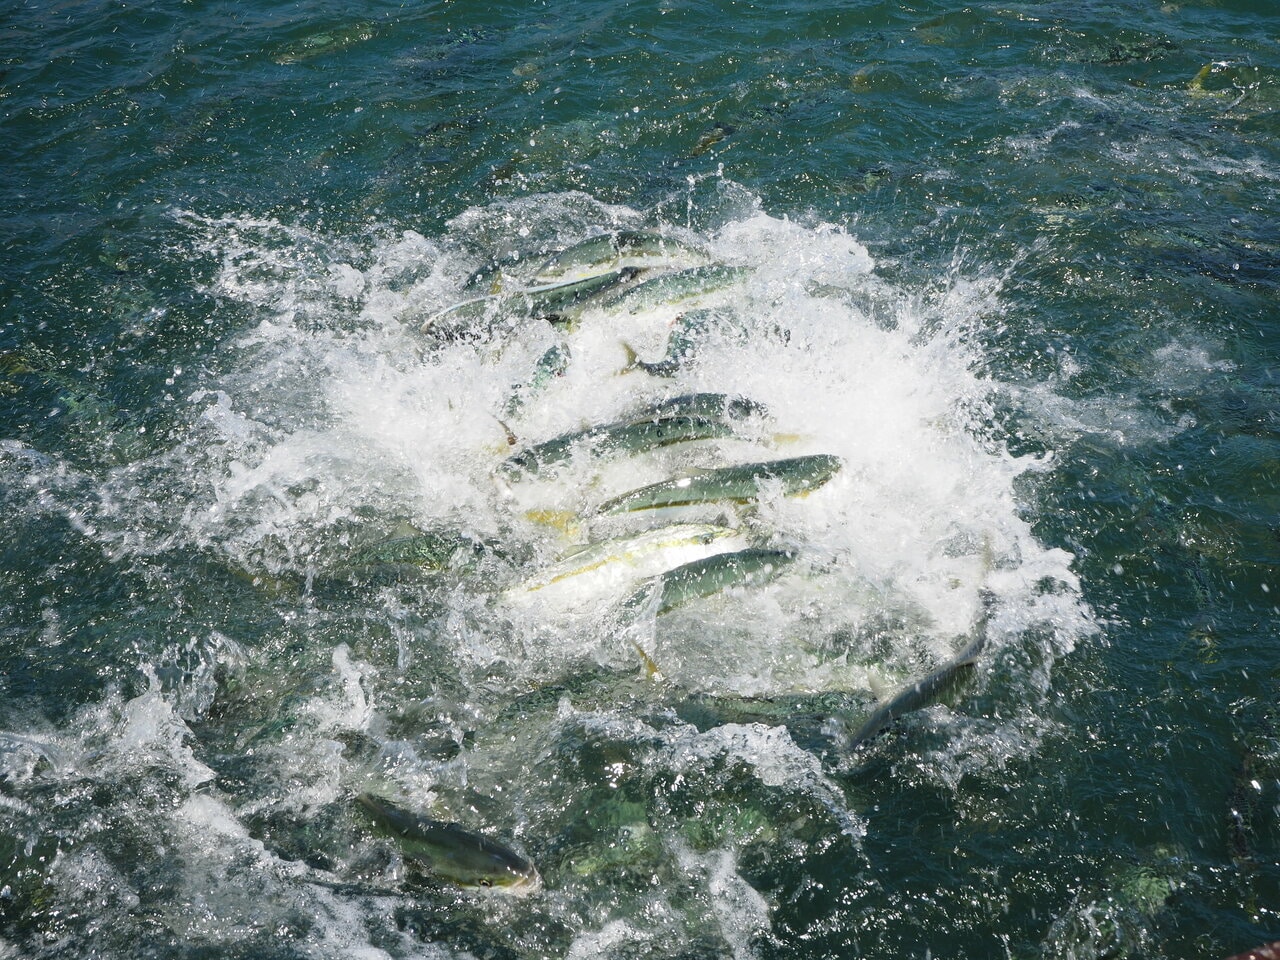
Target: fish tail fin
633, 361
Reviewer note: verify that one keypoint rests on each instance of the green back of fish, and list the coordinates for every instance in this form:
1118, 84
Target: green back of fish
740, 483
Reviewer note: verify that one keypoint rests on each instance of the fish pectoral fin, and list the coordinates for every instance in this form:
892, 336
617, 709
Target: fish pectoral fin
651, 670
786, 439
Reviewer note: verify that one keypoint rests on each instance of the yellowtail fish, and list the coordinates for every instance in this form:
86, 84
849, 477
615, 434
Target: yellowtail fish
620, 249
622, 437
609, 565
672, 289
424, 550
555, 302
716, 406
926, 690
451, 852
687, 332
710, 575
741, 483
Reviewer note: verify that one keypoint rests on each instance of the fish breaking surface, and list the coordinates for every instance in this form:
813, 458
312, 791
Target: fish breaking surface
575, 624
659, 542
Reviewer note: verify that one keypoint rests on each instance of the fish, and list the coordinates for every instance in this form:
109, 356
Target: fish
457, 319
607, 252
711, 138
673, 288
621, 561
926, 690
321, 44
425, 550
553, 363
624, 436
710, 575
686, 332
741, 483
713, 405
451, 852
821, 720
552, 301
806, 716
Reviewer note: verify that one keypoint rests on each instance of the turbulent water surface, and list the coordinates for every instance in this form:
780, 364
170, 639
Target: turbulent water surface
275, 537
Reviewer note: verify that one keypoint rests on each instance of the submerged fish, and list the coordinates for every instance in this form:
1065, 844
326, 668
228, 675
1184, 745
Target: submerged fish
925, 691
607, 252
810, 716
710, 575
807, 716
426, 551
453, 853
741, 483
711, 138
623, 436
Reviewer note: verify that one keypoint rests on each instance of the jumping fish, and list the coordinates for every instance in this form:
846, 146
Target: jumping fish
678, 287
549, 301
710, 575
552, 300
624, 437
686, 331
711, 405
553, 363
622, 561
741, 483
607, 252
453, 853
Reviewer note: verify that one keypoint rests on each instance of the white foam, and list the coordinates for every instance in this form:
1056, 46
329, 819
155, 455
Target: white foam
375, 416
333, 411
149, 730
740, 912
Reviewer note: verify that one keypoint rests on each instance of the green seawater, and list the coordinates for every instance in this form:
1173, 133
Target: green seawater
1017, 264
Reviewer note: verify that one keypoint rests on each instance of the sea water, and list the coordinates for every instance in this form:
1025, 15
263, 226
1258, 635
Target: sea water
1016, 266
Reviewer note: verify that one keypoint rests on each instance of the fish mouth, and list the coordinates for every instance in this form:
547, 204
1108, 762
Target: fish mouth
523, 885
